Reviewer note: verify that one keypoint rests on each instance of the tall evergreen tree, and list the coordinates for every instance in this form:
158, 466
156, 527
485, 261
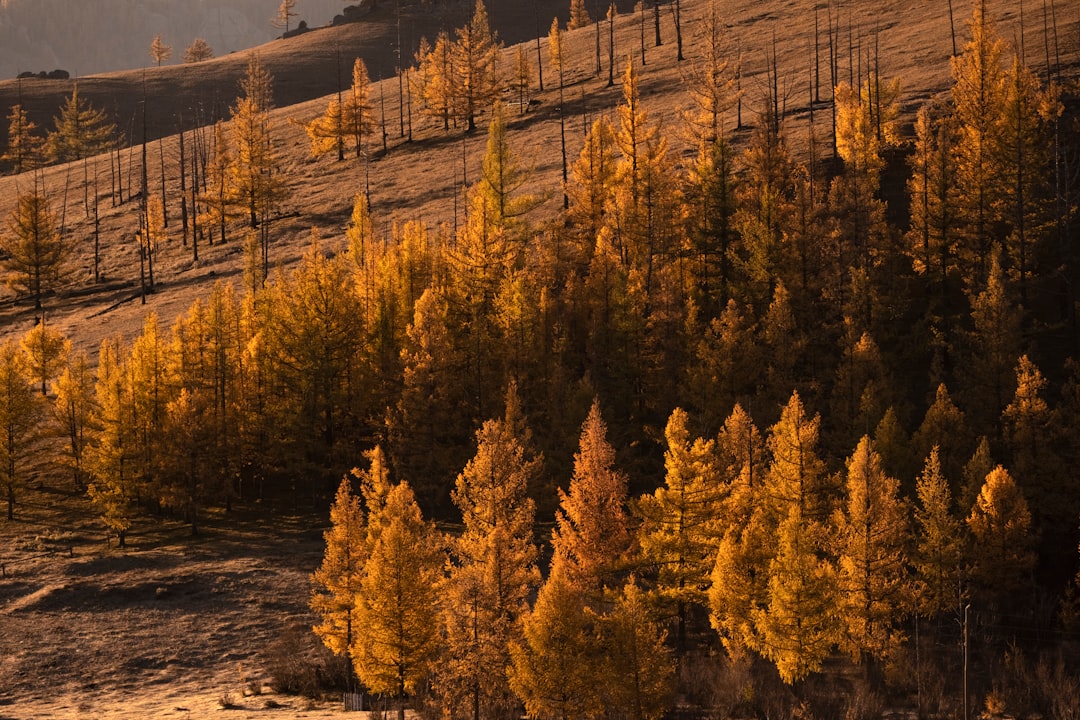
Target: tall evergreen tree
554, 668
681, 526
939, 543
114, 482
493, 571
21, 410
74, 411
397, 604
872, 530
591, 535
336, 584
1000, 524
638, 668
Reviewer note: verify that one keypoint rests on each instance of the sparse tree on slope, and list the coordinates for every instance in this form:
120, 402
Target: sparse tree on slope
47, 351
24, 148
255, 175
81, 130
36, 251
284, 14
475, 82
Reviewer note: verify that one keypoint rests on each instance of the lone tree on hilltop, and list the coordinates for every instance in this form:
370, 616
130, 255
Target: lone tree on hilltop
284, 12
198, 51
159, 51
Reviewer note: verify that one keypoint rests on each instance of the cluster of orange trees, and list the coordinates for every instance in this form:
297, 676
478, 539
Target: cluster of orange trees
936, 474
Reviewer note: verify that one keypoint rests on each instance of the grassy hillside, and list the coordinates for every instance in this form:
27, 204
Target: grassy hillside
200, 622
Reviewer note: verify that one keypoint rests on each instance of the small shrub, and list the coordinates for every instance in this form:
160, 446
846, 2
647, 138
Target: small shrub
298, 664
227, 701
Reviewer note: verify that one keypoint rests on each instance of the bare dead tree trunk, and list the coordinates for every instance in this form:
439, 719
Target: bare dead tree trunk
596, 21
611, 45
677, 11
656, 22
183, 185
641, 17
539, 55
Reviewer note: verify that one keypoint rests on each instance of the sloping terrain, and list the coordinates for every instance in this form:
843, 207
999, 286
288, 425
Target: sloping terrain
172, 625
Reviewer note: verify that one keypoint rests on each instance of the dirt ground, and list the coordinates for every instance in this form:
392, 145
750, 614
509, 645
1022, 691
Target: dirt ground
171, 626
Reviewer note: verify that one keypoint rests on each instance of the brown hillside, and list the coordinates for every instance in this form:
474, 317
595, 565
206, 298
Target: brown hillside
174, 627
418, 180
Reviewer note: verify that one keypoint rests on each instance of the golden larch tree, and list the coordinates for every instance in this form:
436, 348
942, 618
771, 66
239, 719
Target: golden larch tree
21, 410
492, 573
397, 600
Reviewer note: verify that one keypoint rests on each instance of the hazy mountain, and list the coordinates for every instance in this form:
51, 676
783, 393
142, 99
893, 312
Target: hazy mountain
95, 36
